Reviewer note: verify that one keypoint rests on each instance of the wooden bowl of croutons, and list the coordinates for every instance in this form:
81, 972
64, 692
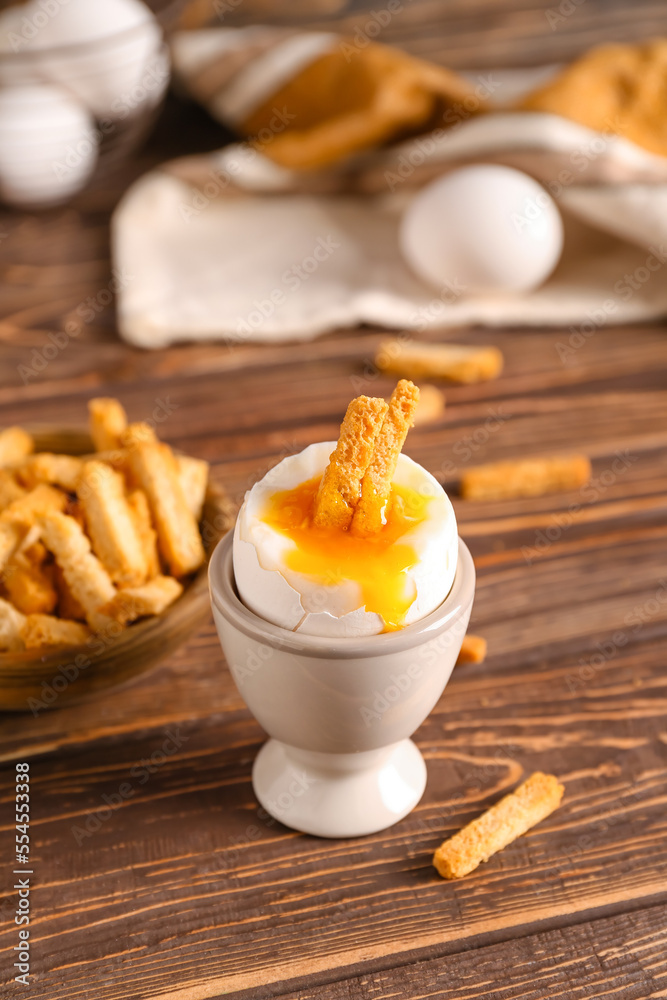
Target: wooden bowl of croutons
104, 543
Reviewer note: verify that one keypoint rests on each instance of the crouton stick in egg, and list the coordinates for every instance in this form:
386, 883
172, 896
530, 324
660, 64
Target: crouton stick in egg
339, 490
369, 515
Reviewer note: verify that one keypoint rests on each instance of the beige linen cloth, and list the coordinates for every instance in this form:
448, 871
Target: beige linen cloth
291, 235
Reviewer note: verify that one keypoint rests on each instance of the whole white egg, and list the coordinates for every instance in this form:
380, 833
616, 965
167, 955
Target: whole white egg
48, 145
108, 53
482, 228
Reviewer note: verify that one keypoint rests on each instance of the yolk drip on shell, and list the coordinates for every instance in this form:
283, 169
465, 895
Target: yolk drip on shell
378, 564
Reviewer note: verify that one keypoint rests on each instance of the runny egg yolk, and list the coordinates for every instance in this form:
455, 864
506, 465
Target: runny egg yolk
379, 564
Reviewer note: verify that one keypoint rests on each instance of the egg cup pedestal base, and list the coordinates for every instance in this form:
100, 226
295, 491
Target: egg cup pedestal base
340, 712
339, 794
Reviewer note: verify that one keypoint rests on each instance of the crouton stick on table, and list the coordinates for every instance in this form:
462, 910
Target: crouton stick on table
473, 650
515, 814
431, 405
455, 362
529, 477
341, 483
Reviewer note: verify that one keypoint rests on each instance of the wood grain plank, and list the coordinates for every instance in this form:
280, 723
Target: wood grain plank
622, 956
197, 855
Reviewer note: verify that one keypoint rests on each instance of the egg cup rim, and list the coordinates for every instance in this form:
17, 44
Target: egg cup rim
227, 602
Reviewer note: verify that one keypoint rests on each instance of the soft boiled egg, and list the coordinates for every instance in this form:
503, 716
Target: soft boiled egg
328, 582
483, 228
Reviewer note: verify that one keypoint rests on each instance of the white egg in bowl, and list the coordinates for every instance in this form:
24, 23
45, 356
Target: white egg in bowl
48, 145
319, 582
108, 53
105, 65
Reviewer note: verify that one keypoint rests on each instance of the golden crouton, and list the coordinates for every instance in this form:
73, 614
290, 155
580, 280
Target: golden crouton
151, 598
68, 606
156, 473
193, 475
15, 444
25, 511
431, 405
516, 813
340, 488
473, 650
59, 470
45, 630
11, 623
454, 362
107, 423
138, 433
143, 524
10, 489
370, 512
525, 477
19, 517
86, 576
30, 586
111, 526
80, 535
11, 536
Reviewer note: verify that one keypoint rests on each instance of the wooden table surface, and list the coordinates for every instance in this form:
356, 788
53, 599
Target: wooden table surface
185, 890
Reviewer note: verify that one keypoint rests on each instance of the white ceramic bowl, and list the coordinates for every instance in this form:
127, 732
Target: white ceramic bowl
339, 762
72, 114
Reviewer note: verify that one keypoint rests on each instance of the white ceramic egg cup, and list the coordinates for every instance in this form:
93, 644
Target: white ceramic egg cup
339, 712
